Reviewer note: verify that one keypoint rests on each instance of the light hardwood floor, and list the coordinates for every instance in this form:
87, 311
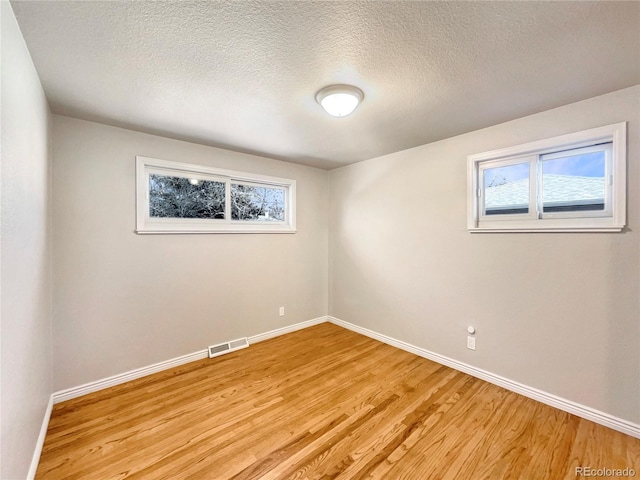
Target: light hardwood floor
321, 403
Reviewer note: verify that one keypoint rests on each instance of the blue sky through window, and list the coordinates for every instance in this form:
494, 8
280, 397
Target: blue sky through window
582, 165
585, 165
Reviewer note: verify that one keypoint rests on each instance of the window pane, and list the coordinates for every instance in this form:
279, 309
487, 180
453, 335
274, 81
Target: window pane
574, 182
179, 197
249, 202
506, 190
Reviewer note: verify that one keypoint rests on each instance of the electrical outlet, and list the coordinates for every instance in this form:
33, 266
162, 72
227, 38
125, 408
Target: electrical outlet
282, 311
471, 343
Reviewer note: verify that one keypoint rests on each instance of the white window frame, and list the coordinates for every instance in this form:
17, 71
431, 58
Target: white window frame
145, 224
611, 219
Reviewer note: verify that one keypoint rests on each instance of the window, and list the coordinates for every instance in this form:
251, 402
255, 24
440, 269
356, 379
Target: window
179, 198
574, 182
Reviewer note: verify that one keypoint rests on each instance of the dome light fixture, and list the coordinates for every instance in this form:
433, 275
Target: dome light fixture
339, 100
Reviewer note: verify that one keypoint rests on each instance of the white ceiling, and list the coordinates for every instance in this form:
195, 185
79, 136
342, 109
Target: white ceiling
243, 74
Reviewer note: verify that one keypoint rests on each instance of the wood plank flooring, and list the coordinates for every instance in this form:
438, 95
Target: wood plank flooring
321, 403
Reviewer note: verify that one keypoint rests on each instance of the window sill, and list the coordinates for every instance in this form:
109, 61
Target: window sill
548, 230
190, 232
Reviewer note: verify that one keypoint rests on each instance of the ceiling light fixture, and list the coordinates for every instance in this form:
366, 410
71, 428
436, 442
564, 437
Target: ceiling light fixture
339, 100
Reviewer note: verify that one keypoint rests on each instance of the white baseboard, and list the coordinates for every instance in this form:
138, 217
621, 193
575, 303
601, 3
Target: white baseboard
103, 383
281, 331
97, 385
35, 460
563, 404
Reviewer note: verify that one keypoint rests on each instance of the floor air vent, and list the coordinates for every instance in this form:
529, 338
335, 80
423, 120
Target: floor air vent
222, 348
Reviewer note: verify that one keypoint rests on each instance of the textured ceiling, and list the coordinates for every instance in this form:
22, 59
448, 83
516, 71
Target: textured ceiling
243, 74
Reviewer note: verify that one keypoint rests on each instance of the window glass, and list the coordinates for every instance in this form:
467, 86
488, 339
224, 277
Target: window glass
506, 189
180, 197
257, 203
573, 181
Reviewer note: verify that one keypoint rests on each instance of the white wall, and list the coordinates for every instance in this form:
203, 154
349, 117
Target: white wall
559, 312
124, 301
25, 254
